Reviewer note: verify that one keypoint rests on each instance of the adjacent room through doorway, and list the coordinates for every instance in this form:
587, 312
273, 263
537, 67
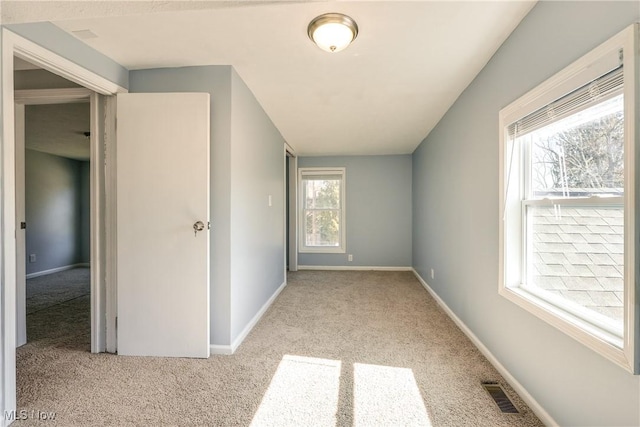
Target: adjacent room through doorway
53, 176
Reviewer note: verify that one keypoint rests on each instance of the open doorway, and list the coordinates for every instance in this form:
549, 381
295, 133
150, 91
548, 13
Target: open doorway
59, 190
53, 206
53, 195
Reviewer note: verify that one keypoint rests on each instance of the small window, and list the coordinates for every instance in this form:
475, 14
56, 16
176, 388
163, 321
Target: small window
322, 220
567, 248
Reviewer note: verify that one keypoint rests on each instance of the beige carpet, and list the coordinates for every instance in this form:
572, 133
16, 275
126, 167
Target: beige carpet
336, 348
46, 291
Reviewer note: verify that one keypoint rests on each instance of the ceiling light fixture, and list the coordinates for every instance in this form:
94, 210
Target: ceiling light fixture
332, 31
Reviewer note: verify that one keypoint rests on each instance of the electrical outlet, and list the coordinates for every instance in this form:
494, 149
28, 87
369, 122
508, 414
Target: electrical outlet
32, 258
433, 273
350, 257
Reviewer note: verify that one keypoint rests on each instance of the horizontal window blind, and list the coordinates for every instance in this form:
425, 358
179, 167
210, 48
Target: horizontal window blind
327, 177
596, 91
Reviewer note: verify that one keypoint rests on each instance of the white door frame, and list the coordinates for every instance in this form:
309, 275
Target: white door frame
12, 44
292, 208
21, 268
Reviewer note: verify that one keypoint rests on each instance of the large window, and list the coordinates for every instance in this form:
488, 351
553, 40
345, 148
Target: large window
567, 201
322, 219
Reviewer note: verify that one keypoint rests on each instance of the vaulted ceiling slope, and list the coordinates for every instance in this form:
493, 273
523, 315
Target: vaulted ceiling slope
382, 95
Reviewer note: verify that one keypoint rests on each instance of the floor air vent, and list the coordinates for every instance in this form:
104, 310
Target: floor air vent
500, 397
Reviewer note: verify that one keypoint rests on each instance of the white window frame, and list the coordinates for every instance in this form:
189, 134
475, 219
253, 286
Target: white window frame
625, 350
303, 172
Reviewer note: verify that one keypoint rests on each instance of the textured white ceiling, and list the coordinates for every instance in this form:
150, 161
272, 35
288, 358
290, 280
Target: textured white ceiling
382, 95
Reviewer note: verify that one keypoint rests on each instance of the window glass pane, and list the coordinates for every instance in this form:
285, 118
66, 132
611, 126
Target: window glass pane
576, 253
321, 193
322, 228
580, 155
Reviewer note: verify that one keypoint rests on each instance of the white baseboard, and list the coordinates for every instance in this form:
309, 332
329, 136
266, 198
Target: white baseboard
352, 268
230, 349
236, 343
540, 412
57, 270
220, 349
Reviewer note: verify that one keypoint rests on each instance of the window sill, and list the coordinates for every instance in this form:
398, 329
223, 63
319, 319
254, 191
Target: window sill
322, 250
605, 343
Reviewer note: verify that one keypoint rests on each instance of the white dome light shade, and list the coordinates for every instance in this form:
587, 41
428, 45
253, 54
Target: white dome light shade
333, 32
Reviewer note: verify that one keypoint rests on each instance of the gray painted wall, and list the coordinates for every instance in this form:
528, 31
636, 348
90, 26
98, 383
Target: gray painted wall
64, 44
257, 229
455, 219
244, 150
54, 204
378, 203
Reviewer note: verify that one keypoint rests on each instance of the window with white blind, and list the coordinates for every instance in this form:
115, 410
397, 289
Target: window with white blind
322, 213
567, 191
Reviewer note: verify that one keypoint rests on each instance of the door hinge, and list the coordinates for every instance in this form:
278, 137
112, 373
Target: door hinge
23, 225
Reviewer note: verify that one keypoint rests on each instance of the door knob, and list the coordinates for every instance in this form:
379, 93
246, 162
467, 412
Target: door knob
198, 226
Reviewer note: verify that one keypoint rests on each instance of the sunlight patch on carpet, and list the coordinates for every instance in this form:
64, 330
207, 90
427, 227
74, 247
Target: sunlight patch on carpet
389, 396
303, 391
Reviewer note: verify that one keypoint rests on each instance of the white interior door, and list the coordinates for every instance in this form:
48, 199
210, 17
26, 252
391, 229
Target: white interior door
162, 171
